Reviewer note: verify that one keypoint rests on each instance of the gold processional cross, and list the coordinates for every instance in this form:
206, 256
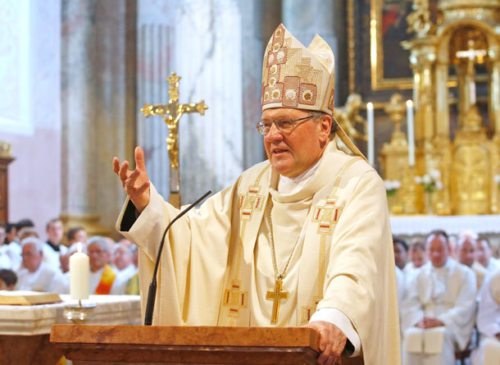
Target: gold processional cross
171, 114
276, 296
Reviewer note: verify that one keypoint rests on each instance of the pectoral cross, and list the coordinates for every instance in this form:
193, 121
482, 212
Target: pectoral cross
276, 296
171, 114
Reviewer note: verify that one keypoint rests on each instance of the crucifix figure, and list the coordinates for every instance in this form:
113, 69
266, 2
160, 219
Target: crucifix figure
276, 296
171, 114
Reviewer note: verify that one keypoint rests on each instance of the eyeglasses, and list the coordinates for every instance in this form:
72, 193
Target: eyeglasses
284, 126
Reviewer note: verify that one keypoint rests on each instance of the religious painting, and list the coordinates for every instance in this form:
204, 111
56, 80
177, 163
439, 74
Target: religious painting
389, 61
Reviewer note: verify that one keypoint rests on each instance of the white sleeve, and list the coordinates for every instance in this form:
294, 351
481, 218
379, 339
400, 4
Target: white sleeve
488, 316
339, 319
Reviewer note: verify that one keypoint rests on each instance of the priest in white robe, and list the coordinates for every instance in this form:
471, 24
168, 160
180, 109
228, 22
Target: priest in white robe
438, 311
300, 239
35, 274
123, 262
466, 252
485, 255
488, 322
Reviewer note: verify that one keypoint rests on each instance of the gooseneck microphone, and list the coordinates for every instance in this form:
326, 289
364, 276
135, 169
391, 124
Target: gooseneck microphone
150, 306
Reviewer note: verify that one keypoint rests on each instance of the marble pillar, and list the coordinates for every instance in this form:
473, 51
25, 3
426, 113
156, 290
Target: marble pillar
201, 42
209, 57
97, 101
252, 55
155, 52
328, 19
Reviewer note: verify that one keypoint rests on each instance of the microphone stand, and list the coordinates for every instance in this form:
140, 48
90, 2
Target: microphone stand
148, 318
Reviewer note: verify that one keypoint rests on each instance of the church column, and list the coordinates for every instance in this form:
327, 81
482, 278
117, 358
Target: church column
209, 56
252, 55
96, 104
156, 50
304, 20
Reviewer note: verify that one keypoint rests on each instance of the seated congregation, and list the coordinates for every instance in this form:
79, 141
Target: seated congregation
27, 262
449, 299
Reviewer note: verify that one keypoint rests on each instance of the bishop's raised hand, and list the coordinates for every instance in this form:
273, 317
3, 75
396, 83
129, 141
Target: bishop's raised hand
135, 182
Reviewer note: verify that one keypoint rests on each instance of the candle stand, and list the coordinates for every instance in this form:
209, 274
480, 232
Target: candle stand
79, 312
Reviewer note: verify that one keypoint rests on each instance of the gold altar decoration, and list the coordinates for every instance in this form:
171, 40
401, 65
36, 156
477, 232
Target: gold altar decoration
350, 119
463, 38
171, 114
394, 159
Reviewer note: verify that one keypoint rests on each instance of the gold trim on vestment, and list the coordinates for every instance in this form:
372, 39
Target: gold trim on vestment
326, 215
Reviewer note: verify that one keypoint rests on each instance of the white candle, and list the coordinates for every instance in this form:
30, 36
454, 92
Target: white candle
79, 274
411, 132
371, 133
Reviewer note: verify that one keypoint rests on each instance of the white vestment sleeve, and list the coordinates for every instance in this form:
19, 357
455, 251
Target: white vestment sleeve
194, 257
340, 320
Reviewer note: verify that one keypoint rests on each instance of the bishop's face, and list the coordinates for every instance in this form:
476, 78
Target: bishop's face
293, 153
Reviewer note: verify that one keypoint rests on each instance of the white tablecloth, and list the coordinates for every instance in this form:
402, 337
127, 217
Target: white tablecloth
37, 319
423, 224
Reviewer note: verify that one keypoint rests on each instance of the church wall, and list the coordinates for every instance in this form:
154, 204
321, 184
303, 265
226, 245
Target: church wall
34, 176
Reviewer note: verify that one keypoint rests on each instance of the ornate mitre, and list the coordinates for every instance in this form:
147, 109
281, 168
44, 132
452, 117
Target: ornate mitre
294, 76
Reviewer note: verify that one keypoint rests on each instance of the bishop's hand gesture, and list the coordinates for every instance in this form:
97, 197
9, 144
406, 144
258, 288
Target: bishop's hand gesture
134, 182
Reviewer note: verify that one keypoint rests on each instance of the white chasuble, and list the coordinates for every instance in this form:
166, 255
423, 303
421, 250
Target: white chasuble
217, 266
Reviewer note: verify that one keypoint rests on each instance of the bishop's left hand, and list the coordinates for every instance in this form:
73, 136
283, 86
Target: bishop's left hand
331, 342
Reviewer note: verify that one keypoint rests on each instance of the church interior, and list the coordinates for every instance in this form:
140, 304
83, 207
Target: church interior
417, 88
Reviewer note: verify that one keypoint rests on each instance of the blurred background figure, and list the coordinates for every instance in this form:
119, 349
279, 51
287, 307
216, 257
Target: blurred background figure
5, 262
123, 261
488, 322
400, 252
8, 279
484, 254
76, 234
102, 276
54, 247
35, 274
417, 257
466, 251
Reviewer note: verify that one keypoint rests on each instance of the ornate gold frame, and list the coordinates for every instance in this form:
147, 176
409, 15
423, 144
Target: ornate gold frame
377, 54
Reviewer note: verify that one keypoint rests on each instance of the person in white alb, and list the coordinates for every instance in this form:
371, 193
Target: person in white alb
488, 322
439, 307
35, 274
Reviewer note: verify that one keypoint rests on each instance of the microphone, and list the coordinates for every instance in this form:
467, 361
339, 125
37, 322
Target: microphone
150, 306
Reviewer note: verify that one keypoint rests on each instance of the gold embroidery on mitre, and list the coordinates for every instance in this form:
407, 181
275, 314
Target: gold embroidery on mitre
308, 311
297, 76
327, 216
235, 299
251, 201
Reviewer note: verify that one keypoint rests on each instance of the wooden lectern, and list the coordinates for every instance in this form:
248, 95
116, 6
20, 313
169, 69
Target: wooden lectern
88, 344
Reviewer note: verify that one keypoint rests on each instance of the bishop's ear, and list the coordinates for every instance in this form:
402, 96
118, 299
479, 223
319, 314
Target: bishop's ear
326, 125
